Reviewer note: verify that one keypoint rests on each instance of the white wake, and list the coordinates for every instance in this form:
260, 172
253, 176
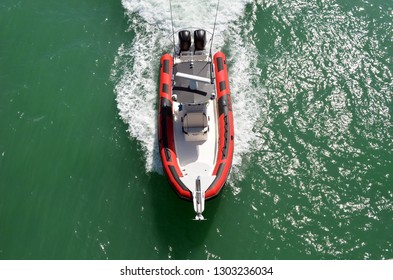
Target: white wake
135, 70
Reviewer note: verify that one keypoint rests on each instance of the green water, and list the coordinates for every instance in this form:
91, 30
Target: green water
314, 183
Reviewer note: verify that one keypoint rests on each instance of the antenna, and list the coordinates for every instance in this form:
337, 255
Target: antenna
173, 30
211, 45
214, 28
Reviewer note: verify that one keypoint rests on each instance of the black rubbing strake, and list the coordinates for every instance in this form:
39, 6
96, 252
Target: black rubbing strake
218, 175
168, 154
224, 108
166, 112
165, 88
176, 176
220, 64
223, 105
166, 66
226, 138
223, 86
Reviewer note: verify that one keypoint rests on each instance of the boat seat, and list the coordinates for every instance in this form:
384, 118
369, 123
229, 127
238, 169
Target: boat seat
195, 126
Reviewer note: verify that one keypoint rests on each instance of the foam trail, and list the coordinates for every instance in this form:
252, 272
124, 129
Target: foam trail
135, 69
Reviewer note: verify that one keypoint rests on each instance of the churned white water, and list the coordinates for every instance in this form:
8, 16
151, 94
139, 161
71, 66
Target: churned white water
136, 67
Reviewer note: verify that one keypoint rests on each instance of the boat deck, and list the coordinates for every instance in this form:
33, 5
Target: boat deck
195, 95
189, 91
196, 158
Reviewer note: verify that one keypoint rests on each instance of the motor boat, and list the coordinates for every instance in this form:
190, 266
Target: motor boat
195, 120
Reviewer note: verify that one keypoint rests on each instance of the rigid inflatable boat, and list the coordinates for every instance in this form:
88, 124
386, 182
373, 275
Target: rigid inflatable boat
195, 121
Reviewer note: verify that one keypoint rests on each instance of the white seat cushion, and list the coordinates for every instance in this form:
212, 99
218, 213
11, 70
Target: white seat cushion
195, 126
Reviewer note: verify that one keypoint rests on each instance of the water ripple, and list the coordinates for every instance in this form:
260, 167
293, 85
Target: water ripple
324, 149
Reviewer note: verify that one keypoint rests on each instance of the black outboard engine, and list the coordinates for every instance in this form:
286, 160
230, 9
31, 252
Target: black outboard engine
185, 40
199, 39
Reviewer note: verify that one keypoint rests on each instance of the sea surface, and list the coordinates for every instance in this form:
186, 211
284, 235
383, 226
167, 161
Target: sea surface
80, 175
